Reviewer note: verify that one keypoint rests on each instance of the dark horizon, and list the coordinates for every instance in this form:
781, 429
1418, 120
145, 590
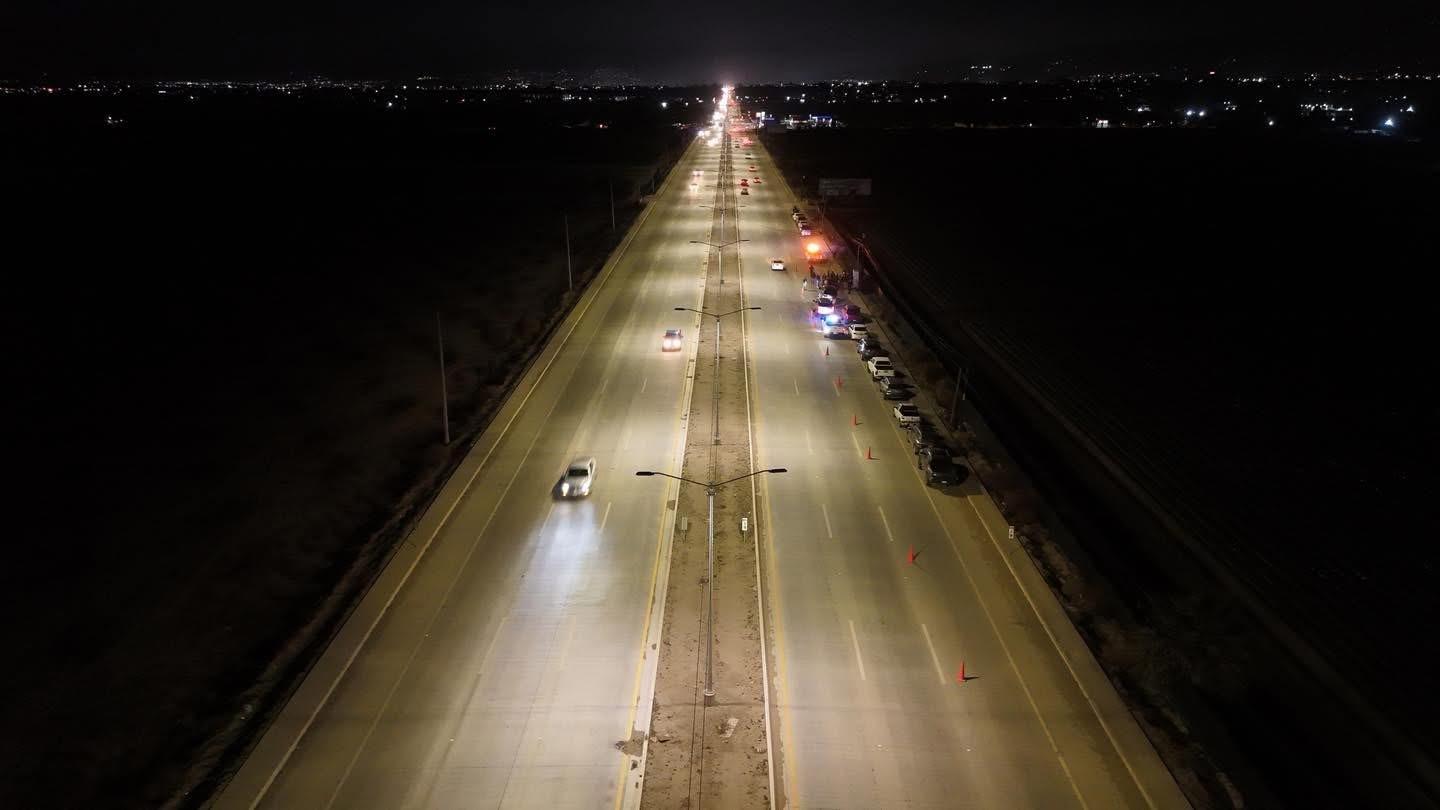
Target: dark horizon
78, 39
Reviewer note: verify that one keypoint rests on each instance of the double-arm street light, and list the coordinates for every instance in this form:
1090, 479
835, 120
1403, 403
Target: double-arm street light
710, 489
715, 421
717, 321
720, 259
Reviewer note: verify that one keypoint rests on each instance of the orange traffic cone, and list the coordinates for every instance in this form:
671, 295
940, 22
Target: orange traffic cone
868, 457
960, 676
854, 420
910, 557
827, 350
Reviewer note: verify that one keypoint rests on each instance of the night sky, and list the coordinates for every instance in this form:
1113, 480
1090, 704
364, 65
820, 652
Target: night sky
684, 42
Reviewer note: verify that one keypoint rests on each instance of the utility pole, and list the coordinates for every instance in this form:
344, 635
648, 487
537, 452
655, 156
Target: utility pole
569, 275
612, 204
956, 397
444, 394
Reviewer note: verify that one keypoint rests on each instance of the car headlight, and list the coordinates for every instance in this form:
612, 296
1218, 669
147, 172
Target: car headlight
564, 489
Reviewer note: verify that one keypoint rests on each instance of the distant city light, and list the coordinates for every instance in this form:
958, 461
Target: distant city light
1389, 122
664, 105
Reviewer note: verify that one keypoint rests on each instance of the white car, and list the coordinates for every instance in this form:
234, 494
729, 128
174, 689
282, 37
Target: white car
805, 229
858, 331
673, 341
824, 305
578, 477
881, 366
838, 331
776, 264
698, 173
907, 414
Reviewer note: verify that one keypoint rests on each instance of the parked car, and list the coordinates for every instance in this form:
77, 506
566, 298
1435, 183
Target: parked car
938, 467
880, 367
859, 331
831, 290
805, 229
745, 190
673, 341
922, 435
776, 264
896, 393
871, 350
852, 311
836, 331
577, 478
906, 414
824, 305
892, 384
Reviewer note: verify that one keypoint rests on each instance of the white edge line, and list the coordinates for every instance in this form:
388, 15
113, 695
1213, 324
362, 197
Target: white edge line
1099, 717
825, 513
1009, 657
592, 294
886, 524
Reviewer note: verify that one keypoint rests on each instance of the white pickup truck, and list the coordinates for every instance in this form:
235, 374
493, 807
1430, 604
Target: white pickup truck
881, 367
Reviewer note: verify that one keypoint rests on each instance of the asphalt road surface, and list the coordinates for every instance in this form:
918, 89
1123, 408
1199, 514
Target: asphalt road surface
500, 667
869, 645
499, 658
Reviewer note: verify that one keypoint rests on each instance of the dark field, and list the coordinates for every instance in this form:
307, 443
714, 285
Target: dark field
224, 387
1244, 323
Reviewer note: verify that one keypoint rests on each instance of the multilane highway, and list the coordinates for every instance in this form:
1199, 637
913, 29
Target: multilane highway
499, 667
500, 657
869, 645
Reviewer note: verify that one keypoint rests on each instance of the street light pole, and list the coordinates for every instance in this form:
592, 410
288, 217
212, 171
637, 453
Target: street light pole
710, 490
710, 594
569, 274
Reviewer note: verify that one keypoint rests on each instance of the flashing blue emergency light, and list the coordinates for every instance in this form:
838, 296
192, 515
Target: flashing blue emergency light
832, 318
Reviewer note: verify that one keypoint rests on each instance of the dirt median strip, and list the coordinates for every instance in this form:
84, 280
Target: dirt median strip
712, 752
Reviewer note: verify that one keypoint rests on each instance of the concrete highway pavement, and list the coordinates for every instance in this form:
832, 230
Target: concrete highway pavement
499, 658
868, 646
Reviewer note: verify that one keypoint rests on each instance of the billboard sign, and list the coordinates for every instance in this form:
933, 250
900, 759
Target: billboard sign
844, 187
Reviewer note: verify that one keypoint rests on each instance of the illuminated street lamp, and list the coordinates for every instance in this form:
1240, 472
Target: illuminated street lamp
710, 565
717, 318
720, 260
